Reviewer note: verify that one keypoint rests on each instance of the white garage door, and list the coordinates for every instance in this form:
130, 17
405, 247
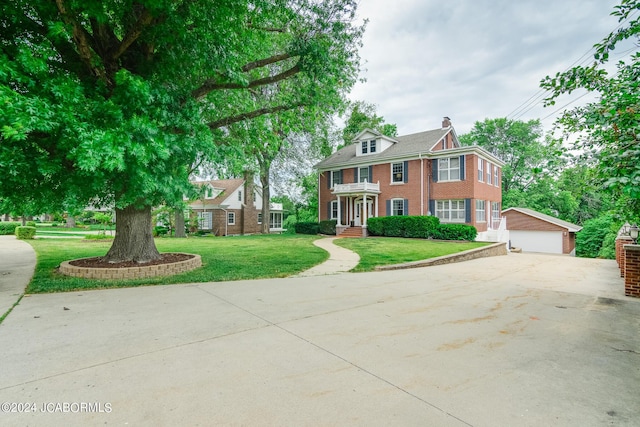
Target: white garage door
537, 241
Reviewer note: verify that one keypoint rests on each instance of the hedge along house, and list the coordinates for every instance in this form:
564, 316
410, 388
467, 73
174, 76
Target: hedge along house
427, 173
233, 207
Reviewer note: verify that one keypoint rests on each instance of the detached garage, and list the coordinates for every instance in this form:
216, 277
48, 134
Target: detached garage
537, 232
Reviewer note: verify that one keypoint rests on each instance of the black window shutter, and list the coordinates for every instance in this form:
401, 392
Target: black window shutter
329, 210
432, 207
462, 168
356, 178
329, 179
341, 176
388, 205
467, 210
434, 168
406, 171
370, 174
406, 207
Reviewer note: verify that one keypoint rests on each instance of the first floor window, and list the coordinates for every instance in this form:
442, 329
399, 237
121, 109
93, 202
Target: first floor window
205, 220
397, 207
260, 218
481, 213
495, 214
450, 210
231, 218
334, 209
275, 220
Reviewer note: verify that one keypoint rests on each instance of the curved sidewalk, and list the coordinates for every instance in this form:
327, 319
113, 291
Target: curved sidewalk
340, 259
17, 264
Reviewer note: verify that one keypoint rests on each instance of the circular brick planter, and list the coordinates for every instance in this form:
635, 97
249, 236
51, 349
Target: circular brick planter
127, 273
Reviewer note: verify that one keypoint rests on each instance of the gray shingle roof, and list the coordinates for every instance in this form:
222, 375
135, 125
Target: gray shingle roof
406, 146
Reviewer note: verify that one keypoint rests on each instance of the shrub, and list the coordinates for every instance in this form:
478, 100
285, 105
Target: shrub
25, 232
289, 224
30, 223
307, 228
328, 227
160, 230
589, 240
375, 226
456, 232
608, 249
7, 228
98, 236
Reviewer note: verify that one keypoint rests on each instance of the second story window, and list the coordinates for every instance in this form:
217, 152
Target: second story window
488, 173
480, 170
495, 176
372, 146
240, 195
449, 169
336, 178
363, 174
397, 172
365, 146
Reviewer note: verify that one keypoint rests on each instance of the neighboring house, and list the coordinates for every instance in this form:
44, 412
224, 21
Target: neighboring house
536, 232
232, 207
427, 173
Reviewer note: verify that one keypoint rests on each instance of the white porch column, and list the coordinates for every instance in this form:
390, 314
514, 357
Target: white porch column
364, 210
376, 202
339, 212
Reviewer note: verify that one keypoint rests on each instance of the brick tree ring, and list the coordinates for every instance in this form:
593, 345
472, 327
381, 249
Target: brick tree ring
168, 265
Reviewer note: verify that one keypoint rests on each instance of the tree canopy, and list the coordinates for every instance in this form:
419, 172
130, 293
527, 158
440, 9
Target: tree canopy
609, 128
115, 102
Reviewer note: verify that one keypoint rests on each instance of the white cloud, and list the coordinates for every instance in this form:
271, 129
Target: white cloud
470, 59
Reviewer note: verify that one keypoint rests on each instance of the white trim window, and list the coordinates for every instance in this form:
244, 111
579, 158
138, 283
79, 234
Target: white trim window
397, 207
480, 170
372, 146
336, 178
496, 181
449, 169
275, 221
363, 174
495, 214
231, 218
239, 195
397, 172
365, 147
481, 211
488, 173
450, 210
334, 209
205, 220
259, 217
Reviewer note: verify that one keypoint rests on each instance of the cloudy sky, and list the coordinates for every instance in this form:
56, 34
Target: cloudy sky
472, 59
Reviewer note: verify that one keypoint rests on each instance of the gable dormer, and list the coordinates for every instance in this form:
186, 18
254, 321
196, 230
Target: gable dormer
370, 142
210, 192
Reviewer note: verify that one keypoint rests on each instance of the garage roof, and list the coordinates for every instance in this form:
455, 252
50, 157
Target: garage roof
548, 218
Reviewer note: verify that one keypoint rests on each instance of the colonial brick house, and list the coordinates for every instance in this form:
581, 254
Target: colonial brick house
427, 173
232, 207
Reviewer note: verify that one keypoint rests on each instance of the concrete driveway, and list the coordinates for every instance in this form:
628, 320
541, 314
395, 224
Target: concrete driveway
517, 340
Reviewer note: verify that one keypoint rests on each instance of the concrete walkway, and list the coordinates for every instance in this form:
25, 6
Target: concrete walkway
17, 264
340, 259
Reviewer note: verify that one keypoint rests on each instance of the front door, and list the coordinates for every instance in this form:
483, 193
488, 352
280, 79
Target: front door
359, 212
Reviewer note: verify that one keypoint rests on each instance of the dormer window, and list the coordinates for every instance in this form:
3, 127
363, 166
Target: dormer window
364, 147
372, 146
209, 193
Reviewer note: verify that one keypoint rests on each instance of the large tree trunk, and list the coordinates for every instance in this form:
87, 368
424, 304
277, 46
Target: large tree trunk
71, 221
180, 223
134, 237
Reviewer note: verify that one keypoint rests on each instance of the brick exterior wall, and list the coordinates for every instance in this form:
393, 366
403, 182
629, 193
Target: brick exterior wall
520, 221
620, 253
632, 270
419, 171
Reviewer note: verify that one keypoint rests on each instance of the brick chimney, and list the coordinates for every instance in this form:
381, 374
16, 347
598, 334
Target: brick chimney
446, 122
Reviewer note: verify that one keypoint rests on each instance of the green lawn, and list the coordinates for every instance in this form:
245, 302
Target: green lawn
375, 251
223, 258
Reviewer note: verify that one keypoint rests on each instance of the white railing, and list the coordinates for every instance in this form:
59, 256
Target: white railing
357, 187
